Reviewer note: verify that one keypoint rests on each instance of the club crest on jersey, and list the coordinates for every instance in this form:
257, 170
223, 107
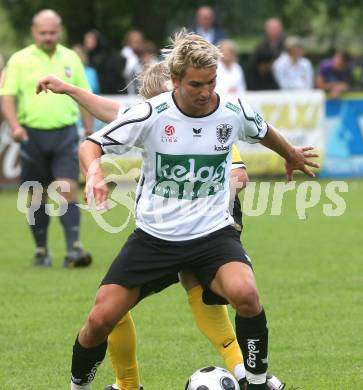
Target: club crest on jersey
224, 131
169, 131
68, 71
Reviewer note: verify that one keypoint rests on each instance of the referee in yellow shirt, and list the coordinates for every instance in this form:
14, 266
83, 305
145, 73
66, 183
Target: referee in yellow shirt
45, 126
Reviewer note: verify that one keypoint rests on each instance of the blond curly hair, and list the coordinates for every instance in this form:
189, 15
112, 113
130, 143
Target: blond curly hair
189, 49
154, 80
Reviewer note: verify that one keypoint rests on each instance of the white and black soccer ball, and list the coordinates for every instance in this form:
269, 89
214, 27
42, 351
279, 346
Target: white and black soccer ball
212, 378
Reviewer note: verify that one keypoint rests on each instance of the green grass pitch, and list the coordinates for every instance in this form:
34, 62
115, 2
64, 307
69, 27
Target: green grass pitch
309, 272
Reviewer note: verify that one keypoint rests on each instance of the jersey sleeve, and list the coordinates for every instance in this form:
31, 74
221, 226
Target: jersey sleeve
253, 127
125, 132
121, 111
10, 78
236, 158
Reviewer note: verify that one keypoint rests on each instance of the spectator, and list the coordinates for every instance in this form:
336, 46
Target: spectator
91, 73
205, 26
291, 69
97, 53
46, 129
114, 82
274, 36
132, 52
334, 74
259, 76
230, 77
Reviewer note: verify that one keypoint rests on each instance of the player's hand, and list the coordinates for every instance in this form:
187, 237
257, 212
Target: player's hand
301, 161
96, 191
19, 134
51, 83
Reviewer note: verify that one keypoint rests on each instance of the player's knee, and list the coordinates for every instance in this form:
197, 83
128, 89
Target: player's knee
245, 299
101, 323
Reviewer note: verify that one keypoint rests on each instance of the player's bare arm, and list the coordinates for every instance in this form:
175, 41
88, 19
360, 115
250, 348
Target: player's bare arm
102, 108
87, 121
296, 158
90, 162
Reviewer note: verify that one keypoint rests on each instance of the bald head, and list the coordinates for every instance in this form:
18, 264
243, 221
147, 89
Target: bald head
46, 30
273, 29
47, 15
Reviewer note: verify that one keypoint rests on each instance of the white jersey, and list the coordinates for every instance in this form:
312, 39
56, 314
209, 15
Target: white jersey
183, 191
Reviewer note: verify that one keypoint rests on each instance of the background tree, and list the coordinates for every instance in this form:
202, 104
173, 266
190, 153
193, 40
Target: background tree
327, 22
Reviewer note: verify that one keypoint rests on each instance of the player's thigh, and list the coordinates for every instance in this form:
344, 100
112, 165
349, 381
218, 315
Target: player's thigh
215, 250
234, 281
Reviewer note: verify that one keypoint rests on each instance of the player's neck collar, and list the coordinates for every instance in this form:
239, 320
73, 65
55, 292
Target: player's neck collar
196, 116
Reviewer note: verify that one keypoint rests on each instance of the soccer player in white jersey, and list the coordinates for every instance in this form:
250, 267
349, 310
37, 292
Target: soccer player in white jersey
212, 320
181, 207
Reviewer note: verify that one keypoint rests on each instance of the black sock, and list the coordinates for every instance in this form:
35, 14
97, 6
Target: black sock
252, 336
85, 362
40, 227
70, 222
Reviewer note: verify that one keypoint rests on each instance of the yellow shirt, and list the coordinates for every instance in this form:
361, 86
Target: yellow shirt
236, 157
47, 110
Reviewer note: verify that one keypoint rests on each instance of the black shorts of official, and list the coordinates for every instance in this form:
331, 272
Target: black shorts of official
153, 264
50, 154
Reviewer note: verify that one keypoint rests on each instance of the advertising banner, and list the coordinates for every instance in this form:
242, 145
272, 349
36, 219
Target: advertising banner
344, 137
298, 115
9, 157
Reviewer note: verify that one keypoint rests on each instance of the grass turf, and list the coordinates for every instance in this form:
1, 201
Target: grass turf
310, 275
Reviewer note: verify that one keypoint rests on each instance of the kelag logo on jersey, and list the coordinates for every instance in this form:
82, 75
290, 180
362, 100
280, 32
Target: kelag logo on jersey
189, 176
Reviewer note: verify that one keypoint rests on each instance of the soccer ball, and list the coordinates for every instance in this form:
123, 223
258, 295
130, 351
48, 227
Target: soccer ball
212, 378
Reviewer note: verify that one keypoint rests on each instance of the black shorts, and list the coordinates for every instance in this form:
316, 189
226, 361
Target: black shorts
50, 154
153, 264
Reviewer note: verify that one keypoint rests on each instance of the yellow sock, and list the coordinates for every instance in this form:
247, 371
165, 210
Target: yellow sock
214, 323
122, 352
